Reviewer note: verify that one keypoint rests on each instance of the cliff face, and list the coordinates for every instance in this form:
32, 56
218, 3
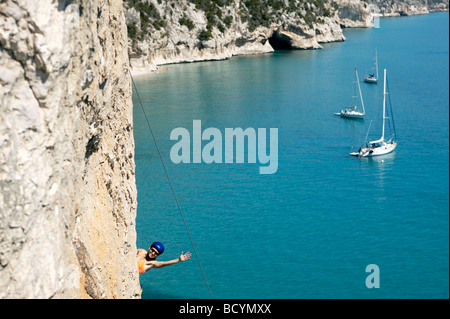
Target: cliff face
67, 185
407, 7
165, 31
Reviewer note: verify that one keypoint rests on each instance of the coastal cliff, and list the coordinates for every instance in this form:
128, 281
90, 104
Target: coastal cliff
68, 195
67, 184
164, 31
407, 7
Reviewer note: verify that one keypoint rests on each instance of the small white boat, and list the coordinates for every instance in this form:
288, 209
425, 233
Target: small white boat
381, 146
373, 78
352, 111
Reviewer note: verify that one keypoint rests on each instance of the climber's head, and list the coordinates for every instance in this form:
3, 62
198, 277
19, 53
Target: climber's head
155, 250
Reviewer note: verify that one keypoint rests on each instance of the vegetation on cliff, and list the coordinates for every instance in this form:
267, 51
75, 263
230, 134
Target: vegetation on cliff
219, 14
169, 31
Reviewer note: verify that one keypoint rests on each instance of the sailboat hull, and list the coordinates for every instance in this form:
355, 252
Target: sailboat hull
379, 151
351, 111
370, 80
351, 115
373, 77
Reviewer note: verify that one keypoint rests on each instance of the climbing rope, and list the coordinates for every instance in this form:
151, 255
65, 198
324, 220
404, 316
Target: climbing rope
171, 186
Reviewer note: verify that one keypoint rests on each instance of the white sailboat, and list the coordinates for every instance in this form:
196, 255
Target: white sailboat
383, 145
352, 111
373, 78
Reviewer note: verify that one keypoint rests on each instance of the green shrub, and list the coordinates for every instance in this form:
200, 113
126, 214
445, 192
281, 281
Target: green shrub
205, 35
218, 14
187, 22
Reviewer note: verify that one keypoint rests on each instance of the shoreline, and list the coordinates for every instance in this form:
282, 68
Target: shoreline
157, 69
144, 72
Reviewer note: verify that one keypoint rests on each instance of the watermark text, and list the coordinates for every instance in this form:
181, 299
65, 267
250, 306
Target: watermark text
225, 148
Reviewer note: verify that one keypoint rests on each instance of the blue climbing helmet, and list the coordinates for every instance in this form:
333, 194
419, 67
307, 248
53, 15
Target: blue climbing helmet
158, 246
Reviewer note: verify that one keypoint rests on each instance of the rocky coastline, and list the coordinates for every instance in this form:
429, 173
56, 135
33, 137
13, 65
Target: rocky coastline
177, 41
68, 197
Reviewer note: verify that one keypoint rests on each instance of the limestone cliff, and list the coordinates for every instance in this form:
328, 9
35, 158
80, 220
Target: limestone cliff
167, 31
67, 184
163, 32
407, 7
360, 13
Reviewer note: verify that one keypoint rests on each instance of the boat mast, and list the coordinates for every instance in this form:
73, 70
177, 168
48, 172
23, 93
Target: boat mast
360, 94
384, 105
356, 94
376, 62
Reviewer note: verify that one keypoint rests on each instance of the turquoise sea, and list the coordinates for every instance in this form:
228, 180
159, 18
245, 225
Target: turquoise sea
311, 229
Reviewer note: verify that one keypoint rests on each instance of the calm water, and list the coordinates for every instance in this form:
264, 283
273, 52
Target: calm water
310, 230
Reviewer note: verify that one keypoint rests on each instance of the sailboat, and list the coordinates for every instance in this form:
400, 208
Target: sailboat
352, 111
384, 145
373, 78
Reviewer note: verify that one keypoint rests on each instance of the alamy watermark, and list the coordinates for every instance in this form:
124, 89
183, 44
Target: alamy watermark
373, 280
374, 11
226, 148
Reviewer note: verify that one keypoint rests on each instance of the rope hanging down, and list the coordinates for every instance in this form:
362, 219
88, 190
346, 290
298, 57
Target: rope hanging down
170, 183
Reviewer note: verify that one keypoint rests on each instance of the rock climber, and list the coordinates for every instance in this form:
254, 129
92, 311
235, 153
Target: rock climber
147, 259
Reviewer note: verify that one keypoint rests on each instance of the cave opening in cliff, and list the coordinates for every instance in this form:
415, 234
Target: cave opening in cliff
279, 43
